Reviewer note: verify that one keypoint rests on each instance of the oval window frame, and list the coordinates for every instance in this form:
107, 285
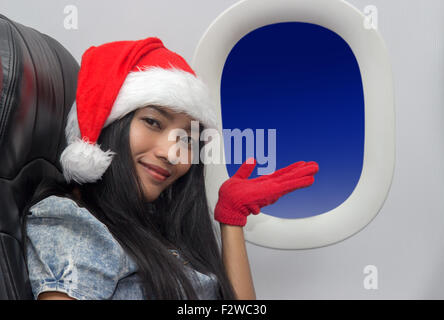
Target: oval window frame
371, 191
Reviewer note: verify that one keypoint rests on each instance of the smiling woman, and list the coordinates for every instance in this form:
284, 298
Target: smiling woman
126, 212
130, 222
150, 145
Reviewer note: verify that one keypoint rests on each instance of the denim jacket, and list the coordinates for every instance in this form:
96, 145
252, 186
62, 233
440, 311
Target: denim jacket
70, 251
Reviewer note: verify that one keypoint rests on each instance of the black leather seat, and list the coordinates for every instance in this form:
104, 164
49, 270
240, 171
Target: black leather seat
37, 84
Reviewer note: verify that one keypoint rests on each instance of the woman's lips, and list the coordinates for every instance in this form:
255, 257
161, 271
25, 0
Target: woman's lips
156, 172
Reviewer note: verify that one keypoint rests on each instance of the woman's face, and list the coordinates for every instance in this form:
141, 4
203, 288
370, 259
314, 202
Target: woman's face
150, 145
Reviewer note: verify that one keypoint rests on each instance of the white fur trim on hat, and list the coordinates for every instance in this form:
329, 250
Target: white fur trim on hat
84, 162
81, 161
174, 88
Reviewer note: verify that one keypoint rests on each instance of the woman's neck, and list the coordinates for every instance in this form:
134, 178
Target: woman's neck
76, 193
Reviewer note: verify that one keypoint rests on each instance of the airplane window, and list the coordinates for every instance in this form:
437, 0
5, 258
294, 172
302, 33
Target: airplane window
303, 81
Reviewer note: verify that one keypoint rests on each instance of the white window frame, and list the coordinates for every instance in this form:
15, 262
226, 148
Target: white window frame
367, 45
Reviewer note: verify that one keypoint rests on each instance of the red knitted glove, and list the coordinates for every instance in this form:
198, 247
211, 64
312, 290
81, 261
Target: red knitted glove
239, 196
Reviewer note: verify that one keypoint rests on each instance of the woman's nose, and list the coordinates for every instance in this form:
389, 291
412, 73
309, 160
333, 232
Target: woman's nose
168, 148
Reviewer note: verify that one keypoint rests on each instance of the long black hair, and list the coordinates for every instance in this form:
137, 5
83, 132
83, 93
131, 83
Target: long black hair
179, 218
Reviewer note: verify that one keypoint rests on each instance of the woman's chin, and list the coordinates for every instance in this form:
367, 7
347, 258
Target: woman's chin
151, 196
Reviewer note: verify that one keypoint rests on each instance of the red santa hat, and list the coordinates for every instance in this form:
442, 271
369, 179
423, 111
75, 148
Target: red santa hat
117, 78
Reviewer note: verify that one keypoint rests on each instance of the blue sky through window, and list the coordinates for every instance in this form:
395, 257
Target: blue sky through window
304, 81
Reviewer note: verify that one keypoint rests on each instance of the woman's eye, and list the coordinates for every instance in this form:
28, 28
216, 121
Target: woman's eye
152, 122
188, 140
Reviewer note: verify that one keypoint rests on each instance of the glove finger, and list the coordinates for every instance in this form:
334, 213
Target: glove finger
281, 171
300, 183
306, 170
245, 169
271, 188
274, 190
277, 190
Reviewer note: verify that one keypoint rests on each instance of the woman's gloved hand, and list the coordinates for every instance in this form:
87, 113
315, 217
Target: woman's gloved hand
239, 196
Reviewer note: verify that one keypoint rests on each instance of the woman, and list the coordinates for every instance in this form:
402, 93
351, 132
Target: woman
133, 222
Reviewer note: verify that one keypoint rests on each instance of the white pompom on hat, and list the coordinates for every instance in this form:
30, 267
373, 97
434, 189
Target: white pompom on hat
117, 78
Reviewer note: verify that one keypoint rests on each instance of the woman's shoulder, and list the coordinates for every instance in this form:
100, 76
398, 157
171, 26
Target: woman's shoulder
63, 208
69, 250
62, 214
53, 204
63, 221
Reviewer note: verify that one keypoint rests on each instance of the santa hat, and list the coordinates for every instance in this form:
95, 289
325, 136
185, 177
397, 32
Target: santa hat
117, 78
